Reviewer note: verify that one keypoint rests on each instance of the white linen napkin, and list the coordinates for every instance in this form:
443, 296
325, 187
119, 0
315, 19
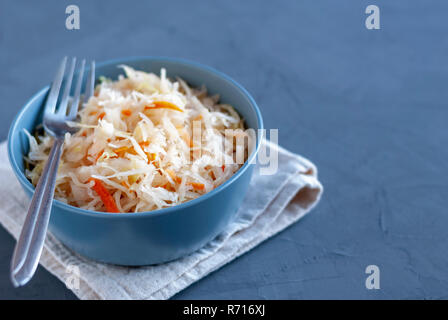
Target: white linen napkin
273, 203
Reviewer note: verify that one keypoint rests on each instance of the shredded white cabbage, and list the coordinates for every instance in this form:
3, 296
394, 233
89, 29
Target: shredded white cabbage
147, 141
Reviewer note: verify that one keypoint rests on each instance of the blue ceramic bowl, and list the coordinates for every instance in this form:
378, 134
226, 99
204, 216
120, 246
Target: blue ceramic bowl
148, 237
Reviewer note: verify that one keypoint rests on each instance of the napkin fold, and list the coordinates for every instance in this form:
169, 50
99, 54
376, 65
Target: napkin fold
273, 203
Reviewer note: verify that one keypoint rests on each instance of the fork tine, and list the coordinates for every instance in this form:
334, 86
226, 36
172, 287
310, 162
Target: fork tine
62, 108
90, 85
75, 101
52, 99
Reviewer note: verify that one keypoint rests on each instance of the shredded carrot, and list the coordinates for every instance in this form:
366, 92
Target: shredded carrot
105, 196
173, 176
163, 105
125, 184
122, 150
152, 157
197, 185
91, 113
223, 167
119, 150
126, 112
168, 187
144, 143
101, 115
99, 155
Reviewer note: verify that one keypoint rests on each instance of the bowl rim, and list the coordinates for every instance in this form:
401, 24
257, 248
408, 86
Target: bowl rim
250, 161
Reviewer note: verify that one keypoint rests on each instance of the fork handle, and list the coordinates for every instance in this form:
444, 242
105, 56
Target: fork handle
29, 246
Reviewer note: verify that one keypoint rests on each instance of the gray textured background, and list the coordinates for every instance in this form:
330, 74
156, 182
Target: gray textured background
368, 107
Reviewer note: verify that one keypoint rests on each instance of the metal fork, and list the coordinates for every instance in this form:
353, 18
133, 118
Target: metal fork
29, 246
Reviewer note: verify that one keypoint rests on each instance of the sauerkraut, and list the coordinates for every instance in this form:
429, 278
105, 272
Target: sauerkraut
144, 142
